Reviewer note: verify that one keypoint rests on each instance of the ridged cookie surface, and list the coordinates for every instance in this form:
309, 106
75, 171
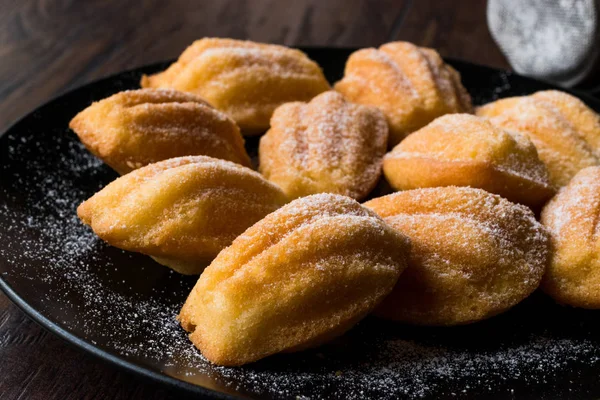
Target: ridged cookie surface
181, 211
473, 255
564, 130
411, 85
465, 150
138, 127
572, 218
301, 276
327, 145
246, 80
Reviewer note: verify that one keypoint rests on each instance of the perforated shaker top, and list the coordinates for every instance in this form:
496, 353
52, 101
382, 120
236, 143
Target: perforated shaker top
553, 40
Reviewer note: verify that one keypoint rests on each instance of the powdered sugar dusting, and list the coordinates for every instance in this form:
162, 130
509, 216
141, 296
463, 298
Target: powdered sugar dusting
408, 369
467, 138
326, 145
126, 304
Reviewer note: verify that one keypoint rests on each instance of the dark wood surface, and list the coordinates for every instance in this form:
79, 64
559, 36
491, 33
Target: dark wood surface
51, 46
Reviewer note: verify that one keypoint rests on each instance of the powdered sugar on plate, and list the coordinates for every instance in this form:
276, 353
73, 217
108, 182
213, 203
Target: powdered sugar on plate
126, 304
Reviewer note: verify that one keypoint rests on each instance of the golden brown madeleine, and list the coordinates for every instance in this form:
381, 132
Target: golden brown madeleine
473, 255
411, 85
181, 211
581, 116
465, 150
138, 127
328, 145
247, 80
573, 276
565, 132
303, 275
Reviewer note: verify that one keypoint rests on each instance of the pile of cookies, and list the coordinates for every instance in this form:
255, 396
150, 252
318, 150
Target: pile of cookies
288, 258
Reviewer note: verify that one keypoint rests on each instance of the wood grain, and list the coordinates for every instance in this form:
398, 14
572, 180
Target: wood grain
37, 365
51, 46
55, 45
456, 29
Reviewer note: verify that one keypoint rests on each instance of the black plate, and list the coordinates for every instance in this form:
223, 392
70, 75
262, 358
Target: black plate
121, 306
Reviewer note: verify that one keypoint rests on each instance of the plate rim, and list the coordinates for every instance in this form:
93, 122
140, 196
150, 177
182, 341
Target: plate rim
588, 97
104, 355
131, 367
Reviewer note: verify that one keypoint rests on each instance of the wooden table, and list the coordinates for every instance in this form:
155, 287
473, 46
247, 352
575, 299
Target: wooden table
51, 46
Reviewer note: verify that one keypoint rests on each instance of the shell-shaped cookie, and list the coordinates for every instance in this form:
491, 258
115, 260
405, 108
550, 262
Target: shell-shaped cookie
301, 276
473, 255
411, 85
465, 150
565, 132
328, 145
573, 276
181, 211
139, 127
247, 80
581, 116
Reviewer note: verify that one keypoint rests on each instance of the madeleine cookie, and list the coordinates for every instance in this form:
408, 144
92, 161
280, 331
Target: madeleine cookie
573, 276
247, 80
465, 150
298, 278
565, 131
411, 85
181, 211
139, 127
473, 255
328, 145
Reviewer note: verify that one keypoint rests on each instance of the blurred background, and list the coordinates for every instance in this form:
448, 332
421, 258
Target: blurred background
50, 46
